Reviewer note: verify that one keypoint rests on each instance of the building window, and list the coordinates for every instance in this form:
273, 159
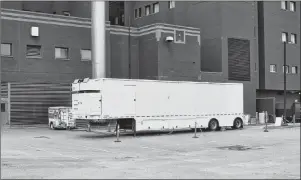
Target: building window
273, 68
33, 51
294, 38
295, 70
284, 36
286, 68
61, 53
293, 6
6, 49
171, 4
283, 5
86, 55
156, 7
147, 10
138, 13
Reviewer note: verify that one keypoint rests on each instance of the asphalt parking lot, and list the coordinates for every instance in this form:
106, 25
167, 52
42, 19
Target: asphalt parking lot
37, 153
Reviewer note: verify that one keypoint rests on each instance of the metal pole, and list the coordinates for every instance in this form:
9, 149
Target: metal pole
98, 39
117, 133
266, 124
129, 46
89, 127
284, 83
195, 130
0, 56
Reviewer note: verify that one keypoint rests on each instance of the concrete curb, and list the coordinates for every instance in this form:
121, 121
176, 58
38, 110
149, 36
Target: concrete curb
271, 126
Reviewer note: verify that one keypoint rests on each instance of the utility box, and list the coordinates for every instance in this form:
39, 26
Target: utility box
60, 118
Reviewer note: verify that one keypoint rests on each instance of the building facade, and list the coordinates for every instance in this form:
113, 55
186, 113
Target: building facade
213, 41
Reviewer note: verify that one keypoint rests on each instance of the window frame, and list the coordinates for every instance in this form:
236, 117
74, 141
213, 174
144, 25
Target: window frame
275, 68
286, 37
34, 57
171, 4
139, 12
149, 13
154, 5
296, 70
136, 13
81, 56
288, 69
294, 6
295, 38
60, 47
11, 50
285, 5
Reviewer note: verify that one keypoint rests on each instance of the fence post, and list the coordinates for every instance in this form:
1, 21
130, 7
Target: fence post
9, 103
257, 118
195, 126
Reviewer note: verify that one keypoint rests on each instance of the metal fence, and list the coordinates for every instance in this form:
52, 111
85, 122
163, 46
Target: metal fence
28, 103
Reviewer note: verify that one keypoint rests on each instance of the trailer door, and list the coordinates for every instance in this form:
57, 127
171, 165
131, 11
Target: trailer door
129, 97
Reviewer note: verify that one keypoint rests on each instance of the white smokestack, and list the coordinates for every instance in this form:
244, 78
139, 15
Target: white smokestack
98, 39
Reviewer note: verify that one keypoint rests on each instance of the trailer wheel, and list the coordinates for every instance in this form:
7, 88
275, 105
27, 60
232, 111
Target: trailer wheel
213, 125
237, 124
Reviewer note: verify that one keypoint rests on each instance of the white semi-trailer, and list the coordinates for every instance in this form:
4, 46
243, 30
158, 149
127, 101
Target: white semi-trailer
143, 105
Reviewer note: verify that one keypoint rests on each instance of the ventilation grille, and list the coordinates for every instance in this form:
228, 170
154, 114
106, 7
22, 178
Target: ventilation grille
239, 59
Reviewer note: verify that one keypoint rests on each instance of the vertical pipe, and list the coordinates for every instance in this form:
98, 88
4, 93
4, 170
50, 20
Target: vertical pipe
284, 82
9, 103
0, 56
129, 46
98, 39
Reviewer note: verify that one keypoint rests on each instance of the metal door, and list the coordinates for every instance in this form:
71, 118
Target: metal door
4, 112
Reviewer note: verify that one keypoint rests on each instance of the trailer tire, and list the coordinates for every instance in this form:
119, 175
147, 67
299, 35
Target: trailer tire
237, 124
213, 125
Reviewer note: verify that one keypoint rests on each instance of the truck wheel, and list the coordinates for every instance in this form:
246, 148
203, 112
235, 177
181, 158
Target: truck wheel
237, 123
213, 125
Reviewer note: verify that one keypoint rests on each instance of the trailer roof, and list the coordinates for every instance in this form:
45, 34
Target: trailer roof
148, 80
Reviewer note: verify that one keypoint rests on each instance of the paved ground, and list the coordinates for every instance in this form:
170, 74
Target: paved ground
42, 153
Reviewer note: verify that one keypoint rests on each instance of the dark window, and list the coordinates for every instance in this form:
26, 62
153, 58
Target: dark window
239, 59
2, 107
136, 13
139, 12
33, 51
